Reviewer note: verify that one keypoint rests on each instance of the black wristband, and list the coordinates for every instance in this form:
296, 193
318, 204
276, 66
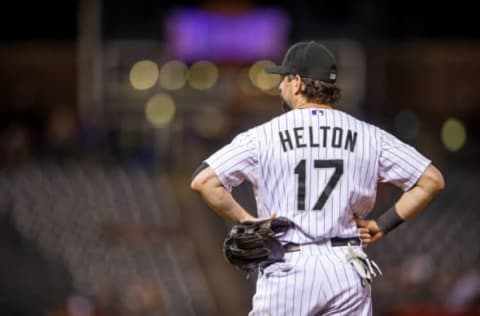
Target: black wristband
389, 220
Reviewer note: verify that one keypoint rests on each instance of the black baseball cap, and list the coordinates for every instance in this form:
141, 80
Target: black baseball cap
309, 60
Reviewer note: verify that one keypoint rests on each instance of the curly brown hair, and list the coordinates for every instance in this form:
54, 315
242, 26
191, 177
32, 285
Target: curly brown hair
320, 91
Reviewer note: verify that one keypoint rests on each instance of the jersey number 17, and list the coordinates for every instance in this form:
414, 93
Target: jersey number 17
300, 171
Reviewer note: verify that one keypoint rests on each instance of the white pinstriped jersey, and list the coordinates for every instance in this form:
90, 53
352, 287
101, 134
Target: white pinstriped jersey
317, 167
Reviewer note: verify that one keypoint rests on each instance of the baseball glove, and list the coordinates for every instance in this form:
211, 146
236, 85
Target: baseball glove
255, 245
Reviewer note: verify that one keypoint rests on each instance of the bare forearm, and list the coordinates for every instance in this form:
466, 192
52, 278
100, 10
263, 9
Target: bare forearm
413, 201
222, 202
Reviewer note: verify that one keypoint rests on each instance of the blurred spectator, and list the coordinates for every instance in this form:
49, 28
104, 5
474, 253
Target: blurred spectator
417, 269
78, 305
465, 294
105, 297
62, 139
15, 144
93, 138
144, 298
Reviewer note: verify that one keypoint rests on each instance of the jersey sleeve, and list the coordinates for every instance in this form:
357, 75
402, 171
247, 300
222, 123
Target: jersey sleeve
236, 161
400, 163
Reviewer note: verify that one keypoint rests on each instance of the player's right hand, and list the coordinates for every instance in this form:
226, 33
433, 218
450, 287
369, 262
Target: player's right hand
369, 231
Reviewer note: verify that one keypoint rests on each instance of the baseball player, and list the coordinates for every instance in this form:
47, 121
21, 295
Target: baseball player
319, 167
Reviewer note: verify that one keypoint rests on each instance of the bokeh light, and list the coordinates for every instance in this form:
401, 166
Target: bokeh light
454, 134
244, 83
173, 75
160, 109
260, 78
407, 124
143, 74
203, 75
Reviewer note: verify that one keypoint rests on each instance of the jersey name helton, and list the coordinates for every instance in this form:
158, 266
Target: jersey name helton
320, 136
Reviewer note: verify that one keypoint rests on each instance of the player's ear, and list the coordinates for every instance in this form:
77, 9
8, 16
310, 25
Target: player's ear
297, 84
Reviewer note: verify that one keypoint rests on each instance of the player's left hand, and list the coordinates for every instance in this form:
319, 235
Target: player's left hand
369, 231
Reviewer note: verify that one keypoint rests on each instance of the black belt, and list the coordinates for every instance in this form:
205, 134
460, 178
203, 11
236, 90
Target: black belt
338, 242
335, 242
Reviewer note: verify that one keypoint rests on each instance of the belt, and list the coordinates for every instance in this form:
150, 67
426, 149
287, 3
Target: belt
334, 241
339, 242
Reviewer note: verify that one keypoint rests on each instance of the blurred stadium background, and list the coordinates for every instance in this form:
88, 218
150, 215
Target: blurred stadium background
107, 107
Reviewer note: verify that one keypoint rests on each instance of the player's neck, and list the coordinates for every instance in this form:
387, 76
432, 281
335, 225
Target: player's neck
310, 105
